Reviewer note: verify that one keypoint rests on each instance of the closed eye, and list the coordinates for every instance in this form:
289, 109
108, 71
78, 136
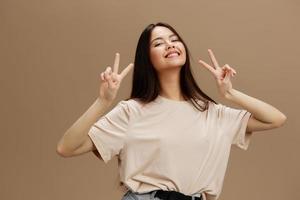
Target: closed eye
175, 40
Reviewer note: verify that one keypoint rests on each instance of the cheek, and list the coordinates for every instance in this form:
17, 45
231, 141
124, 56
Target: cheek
184, 53
183, 49
155, 55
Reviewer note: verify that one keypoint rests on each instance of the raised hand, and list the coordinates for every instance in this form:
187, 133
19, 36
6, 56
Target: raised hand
111, 80
221, 74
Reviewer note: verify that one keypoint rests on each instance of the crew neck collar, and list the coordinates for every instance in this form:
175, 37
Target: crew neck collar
171, 100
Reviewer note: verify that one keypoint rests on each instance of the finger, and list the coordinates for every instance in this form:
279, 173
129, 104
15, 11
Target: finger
110, 72
110, 82
225, 68
126, 70
116, 63
233, 73
102, 76
230, 68
114, 77
107, 73
227, 77
207, 66
108, 78
213, 59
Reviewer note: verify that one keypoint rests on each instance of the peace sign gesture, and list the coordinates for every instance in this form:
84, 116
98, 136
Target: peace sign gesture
221, 74
111, 80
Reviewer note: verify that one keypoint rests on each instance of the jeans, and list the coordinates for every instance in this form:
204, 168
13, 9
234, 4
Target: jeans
129, 195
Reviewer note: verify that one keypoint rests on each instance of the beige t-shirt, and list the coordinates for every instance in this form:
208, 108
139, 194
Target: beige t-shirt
170, 145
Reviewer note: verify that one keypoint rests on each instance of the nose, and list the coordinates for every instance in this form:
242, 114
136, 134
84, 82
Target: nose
170, 46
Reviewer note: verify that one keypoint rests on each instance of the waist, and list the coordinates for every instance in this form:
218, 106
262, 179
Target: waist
162, 195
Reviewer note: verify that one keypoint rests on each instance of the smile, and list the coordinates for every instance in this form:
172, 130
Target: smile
173, 55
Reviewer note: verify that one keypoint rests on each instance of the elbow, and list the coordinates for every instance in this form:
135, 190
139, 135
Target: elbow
61, 151
281, 121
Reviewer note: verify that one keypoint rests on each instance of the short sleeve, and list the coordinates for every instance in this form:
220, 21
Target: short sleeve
234, 122
109, 132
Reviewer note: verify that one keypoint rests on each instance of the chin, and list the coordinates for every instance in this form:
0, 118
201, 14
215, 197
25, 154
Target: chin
167, 64
172, 65
175, 63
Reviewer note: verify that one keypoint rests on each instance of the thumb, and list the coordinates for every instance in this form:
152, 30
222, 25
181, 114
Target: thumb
227, 76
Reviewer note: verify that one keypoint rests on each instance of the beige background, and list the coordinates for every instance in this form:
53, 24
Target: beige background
52, 53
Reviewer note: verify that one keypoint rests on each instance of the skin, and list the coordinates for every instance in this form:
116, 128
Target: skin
111, 80
159, 48
75, 140
264, 116
168, 69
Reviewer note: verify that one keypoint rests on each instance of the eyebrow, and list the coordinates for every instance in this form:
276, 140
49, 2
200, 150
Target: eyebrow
162, 38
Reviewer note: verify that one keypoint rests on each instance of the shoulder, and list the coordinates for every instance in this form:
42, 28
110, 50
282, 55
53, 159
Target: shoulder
130, 106
220, 106
214, 106
131, 103
219, 110
224, 111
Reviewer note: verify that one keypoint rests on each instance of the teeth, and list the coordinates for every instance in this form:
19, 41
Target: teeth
172, 55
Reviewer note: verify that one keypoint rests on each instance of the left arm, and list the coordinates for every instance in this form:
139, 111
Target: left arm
264, 116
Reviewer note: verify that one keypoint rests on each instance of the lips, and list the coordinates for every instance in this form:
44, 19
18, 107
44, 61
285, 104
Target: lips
171, 52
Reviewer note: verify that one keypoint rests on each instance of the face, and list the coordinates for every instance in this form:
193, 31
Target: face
162, 42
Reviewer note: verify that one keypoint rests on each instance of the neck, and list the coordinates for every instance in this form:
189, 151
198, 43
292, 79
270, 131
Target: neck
170, 85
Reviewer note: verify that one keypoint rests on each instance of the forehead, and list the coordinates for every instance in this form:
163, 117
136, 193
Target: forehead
161, 31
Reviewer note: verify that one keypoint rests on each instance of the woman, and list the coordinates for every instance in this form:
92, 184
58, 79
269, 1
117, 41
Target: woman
171, 139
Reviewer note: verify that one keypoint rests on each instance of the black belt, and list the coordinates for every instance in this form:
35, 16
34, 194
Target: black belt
173, 195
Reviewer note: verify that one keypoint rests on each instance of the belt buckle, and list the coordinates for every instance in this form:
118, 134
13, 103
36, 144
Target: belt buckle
174, 195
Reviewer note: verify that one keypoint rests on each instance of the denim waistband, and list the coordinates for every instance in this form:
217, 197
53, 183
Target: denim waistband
161, 195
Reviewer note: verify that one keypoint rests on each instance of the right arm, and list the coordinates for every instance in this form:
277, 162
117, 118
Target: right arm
76, 141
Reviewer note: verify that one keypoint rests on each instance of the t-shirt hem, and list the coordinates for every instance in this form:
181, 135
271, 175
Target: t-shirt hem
100, 147
244, 137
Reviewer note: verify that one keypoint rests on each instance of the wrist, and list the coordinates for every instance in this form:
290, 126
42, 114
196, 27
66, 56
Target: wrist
102, 102
229, 94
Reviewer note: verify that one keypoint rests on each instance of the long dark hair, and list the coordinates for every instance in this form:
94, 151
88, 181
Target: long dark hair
145, 83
